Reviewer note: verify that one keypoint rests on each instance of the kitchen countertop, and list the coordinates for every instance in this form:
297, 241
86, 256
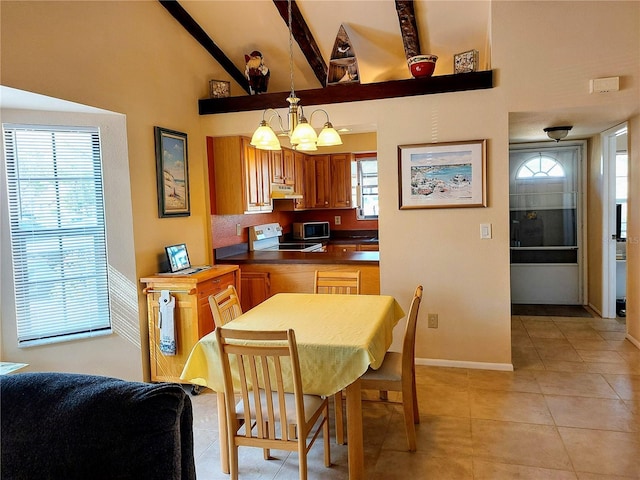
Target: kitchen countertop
239, 254
372, 258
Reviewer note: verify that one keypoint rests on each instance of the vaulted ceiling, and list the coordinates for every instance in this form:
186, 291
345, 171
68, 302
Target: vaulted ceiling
234, 28
239, 27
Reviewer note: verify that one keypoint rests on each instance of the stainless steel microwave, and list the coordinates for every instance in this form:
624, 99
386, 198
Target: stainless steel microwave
310, 230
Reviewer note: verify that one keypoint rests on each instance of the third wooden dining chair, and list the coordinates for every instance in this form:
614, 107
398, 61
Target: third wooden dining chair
337, 282
225, 306
398, 374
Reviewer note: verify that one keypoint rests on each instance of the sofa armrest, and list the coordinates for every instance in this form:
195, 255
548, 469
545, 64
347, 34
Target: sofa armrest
72, 426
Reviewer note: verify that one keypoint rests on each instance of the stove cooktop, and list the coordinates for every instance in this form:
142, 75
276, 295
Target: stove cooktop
295, 247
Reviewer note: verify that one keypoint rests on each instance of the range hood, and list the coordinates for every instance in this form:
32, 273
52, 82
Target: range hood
285, 192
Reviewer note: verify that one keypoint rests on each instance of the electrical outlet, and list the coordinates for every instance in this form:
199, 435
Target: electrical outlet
238, 230
337, 219
432, 320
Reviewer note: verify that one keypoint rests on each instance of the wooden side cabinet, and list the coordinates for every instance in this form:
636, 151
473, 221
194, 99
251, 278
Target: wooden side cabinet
192, 314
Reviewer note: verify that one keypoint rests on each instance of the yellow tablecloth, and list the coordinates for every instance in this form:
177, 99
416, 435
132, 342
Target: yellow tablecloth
338, 336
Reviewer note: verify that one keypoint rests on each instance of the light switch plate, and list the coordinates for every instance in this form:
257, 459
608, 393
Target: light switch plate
485, 230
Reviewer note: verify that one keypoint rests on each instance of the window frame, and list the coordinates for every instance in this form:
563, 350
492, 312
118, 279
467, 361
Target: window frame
358, 190
69, 324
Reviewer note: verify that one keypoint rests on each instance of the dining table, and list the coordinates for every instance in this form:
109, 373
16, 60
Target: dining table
338, 336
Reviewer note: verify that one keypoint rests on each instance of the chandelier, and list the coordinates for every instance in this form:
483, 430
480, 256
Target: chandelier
302, 135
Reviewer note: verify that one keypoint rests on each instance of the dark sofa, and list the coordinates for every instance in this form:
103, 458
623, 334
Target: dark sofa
71, 426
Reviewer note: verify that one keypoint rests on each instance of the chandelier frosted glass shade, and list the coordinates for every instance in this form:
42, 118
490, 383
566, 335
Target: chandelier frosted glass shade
265, 138
328, 136
303, 133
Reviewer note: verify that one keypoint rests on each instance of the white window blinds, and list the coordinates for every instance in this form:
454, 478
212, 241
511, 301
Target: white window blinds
58, 240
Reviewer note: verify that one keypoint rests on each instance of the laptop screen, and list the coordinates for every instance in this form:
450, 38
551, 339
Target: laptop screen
178, 257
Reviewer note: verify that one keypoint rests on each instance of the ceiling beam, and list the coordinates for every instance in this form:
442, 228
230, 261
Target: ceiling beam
304, 38
196, 31
352, 92
408, 27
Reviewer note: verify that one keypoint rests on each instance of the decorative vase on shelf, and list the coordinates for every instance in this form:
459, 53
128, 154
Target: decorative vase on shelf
422, 65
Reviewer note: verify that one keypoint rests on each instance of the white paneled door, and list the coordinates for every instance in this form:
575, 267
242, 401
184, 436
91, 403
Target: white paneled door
545, 210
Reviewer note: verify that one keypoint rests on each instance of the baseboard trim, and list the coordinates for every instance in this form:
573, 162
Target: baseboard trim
595, 310
633, 340
435, 362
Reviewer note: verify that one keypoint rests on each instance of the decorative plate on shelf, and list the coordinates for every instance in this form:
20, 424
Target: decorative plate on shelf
465, 62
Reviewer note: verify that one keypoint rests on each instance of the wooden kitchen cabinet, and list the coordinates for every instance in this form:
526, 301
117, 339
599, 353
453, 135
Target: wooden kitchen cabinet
283, 166
340, 195
256, 288
341, 247
299, 180
298, 277
328, 181
317, 182
192, 314
241, 176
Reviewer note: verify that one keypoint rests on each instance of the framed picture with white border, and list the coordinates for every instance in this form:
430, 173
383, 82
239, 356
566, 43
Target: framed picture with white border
442, 175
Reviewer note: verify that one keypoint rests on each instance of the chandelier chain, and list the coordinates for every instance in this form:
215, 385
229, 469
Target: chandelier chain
293, 94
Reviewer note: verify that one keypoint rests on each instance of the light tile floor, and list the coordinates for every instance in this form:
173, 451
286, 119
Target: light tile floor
570, 410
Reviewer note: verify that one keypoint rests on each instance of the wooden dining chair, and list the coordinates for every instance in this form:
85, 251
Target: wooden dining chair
398, 374
225, 306
268, 417
337, 282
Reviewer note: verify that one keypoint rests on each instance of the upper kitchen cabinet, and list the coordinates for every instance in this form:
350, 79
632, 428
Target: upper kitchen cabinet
340, 194
283, 167
328, 181
299, 182
241, 176
317, 183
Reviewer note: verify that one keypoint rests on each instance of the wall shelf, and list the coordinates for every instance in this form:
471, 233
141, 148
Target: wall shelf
352, 92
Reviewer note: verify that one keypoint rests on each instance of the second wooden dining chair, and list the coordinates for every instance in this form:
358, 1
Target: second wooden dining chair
225, 306
398, 374
269, 417
337, 282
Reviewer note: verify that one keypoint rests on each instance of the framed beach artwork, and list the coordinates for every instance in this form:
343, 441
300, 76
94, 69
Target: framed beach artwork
442, 175
173, 173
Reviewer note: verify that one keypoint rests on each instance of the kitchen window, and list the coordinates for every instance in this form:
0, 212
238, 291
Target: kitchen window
57, 227
365, 192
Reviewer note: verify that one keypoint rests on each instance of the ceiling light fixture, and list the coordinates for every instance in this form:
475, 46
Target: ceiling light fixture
557, 133
301, 134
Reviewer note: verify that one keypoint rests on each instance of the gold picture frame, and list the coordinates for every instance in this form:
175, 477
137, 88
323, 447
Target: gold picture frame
442, 175
172, 171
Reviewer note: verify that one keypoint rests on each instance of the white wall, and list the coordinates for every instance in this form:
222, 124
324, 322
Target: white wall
129, 57
115, 55
106, 355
